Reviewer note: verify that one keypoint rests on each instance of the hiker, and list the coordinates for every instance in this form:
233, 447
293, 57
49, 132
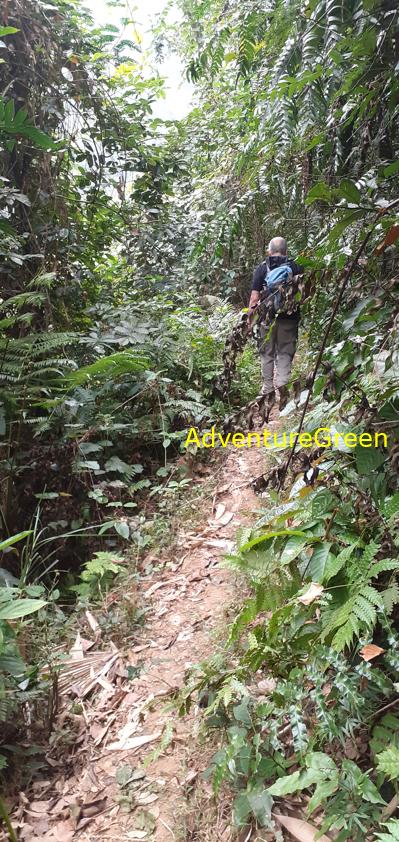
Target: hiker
278, 351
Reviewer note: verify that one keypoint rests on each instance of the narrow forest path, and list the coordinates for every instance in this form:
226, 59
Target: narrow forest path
188, 604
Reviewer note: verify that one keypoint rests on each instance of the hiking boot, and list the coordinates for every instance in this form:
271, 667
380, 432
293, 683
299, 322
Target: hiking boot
283, 399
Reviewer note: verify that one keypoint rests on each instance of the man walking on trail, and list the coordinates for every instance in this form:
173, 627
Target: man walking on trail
277, 351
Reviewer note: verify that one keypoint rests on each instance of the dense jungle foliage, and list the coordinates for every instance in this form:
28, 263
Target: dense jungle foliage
127, 247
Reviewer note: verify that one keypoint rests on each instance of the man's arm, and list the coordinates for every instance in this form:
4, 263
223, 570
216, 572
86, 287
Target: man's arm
255, 296
257, 286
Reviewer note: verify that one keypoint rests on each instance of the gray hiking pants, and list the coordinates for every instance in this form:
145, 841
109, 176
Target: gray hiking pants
277, 352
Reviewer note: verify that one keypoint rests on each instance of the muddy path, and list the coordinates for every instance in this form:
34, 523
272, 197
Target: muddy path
117, 788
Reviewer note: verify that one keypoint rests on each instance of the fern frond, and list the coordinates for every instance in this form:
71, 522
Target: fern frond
383, 566
390, 597
388, 763
373, 596
335, 564
344, 636
246, 616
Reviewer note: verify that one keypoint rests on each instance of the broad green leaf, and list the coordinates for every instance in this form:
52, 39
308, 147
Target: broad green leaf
20, 608
370, 792
348, 190
392, 834
318, 561
324, 501
261, 805
9, 113
7, 30
12, 664
320, 192
286, 785
320, 762
292, 549
368, 459
323, 790
391, 169
266, 537
341, 226
241, 810
38, 138
122, 529
20, 117
117, 465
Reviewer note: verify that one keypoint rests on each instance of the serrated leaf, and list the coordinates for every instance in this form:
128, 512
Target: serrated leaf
391, 506
335, 563
388, 763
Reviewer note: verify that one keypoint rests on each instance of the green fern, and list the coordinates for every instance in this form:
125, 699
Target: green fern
385, 734
357, 614
390, 597
388, 763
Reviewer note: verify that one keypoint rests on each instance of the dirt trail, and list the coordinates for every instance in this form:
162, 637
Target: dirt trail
187, 607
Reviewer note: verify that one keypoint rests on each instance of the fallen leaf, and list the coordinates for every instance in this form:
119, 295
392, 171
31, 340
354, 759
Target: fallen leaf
62, 832
137, 834
220, 510
92, 621
128, 730
267, 685
303, 831
134, 742
390, 238
76, 652
220, 544
145, 820
313, 592
93, 808
40, 806
27, 833
351, 750
147, 798
371, 651
127, 774
226, 518
189, 779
